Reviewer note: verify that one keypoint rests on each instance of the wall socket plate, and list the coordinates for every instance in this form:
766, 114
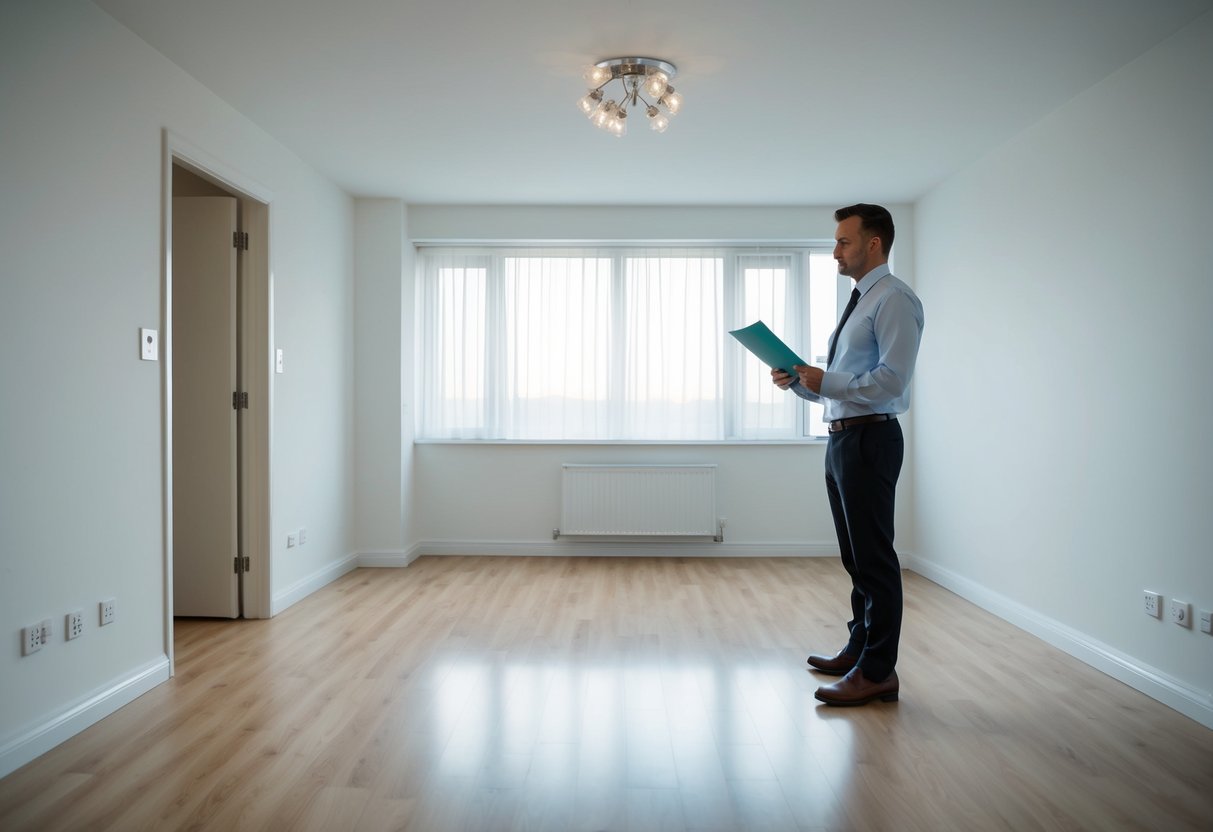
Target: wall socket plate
1153, 603
149, 344
74, 626
108, 611
1181, 613
1206, 621
31, 639
292, 540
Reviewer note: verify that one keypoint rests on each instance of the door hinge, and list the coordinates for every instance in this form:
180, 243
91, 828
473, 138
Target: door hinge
240, 240
240, 564
239, 401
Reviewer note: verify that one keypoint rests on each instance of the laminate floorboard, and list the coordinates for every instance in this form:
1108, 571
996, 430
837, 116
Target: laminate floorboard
478, 693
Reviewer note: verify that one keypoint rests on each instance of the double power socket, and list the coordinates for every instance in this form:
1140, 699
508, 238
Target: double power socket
37, 636
1180, 612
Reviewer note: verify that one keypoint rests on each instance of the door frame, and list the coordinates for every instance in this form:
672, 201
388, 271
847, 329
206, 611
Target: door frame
256, 301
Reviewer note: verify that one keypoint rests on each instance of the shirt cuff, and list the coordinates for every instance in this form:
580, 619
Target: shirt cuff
834, 385
803, 392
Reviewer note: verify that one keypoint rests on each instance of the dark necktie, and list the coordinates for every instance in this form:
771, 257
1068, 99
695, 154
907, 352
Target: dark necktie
846, 313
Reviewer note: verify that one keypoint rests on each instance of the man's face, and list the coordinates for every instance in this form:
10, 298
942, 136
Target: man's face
853, 248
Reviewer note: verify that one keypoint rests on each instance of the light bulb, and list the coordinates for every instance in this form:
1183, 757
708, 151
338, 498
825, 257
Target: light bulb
658, 120
655, 86
672, 101
596, 75
604, 114
618, 126
590, 101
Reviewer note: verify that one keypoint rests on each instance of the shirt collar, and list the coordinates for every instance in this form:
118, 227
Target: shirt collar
872, 278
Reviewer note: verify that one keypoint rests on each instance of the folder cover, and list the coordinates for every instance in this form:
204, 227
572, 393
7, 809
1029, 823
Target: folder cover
758, 339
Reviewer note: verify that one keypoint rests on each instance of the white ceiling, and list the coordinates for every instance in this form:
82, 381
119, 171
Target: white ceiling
787, 102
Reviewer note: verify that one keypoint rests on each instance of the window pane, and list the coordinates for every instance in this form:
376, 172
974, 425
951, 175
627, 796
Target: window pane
557, 347
672, 347
766, 286
564, 343
823, 317
459, 357
823, 303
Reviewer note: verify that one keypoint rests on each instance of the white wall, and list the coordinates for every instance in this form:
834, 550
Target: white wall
383, 360
1064, 393
84, 103
313, 427
505, 498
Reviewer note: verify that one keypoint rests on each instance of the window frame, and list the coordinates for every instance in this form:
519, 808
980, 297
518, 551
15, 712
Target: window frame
736, 256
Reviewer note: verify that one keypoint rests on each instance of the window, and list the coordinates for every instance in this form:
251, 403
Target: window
615, 343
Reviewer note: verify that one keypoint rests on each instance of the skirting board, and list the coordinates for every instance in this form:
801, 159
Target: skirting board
72, 720
1192, 703
388, 557
571, 547
299, 590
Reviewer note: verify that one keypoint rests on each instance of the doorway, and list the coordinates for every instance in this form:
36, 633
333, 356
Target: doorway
217, 389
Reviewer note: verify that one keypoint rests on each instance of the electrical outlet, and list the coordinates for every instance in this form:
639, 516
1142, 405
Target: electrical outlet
74, 628
1181, 613
291, 540
107, 611
1206, 621
302, 536
1153, 604
31, 639
47, 632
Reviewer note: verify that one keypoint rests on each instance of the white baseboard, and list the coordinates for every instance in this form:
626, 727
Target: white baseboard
73, 719
299, 590
1189, 701
388, 557
571, 547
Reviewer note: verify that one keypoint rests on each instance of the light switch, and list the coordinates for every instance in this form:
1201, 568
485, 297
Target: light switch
277, 361
149, 345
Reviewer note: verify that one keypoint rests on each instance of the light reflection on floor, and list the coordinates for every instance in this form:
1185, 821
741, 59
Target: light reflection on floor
724, 734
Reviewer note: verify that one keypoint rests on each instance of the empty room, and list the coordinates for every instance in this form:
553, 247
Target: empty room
579, 416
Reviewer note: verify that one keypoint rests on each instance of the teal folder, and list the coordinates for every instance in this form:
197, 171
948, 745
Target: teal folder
758, 339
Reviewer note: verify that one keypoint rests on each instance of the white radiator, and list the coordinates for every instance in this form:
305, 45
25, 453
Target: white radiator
638, 500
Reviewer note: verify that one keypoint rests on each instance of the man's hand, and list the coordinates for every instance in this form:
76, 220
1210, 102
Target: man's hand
810, 377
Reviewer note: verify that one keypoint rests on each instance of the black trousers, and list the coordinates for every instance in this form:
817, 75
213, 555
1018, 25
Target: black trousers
862, 466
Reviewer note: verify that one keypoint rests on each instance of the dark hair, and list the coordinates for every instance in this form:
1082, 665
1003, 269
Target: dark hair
875, 220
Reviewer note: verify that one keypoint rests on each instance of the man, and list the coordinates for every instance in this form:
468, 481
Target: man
864, 387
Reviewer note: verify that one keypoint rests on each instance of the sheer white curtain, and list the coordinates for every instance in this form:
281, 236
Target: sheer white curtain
557, 324
673, 344
602, 344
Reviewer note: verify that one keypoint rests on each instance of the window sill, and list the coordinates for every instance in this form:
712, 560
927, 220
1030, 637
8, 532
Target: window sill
815, 440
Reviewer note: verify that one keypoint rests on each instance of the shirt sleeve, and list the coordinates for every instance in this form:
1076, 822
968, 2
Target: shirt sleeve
898, 330
804, 392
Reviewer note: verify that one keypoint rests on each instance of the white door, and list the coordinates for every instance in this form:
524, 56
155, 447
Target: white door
205, 490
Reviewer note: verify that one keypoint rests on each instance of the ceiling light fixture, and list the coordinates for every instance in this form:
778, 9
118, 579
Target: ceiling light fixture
638, 77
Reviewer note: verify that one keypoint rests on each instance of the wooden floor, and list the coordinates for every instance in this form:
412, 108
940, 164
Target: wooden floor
593, 694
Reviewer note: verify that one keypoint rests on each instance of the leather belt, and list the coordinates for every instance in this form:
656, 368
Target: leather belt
843, 424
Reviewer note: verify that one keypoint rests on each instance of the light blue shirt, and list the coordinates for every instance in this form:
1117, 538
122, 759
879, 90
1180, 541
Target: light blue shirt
876, 351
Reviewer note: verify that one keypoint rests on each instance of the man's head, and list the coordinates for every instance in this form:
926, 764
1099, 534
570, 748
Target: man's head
863, 239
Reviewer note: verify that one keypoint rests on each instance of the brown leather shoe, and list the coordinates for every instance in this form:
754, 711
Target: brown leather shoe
833, 665
854, 689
